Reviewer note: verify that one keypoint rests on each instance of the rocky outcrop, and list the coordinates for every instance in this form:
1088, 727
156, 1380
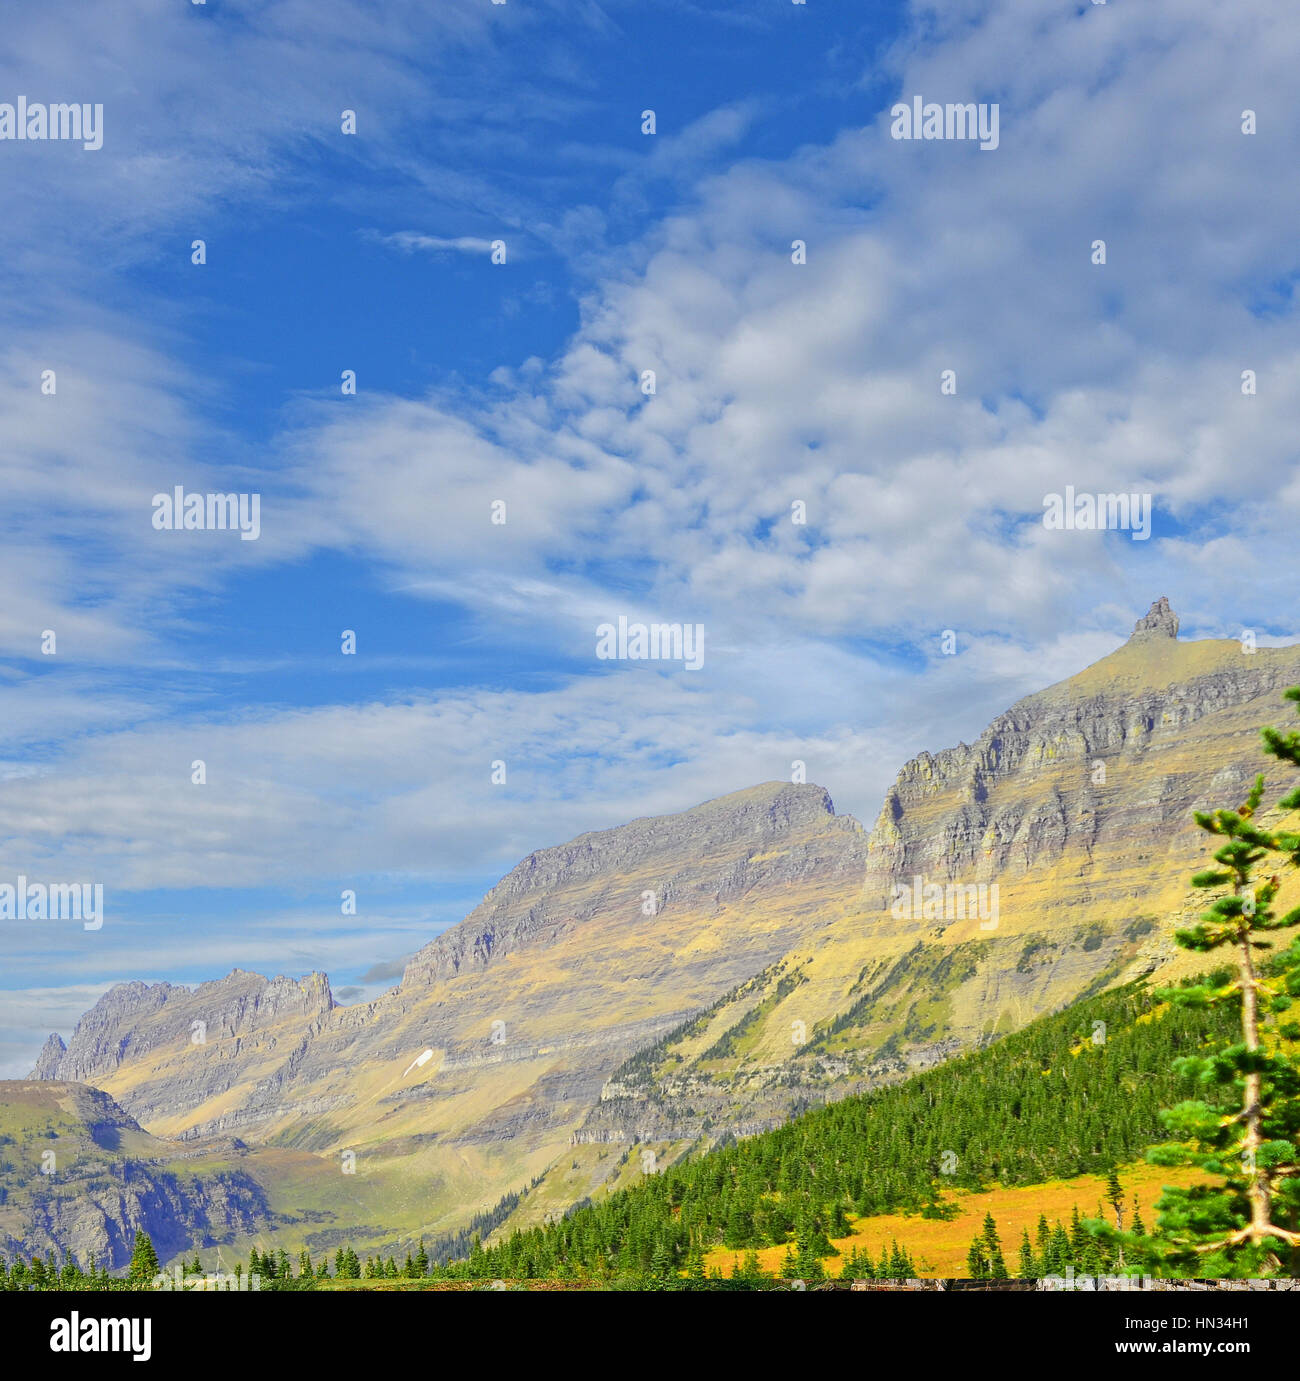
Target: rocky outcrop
50, 1058
133, 1019
1159, 621
83, 1178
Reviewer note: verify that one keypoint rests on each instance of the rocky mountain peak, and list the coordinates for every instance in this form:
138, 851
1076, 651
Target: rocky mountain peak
764, 812
1025, 792
768, 835
131, 1019
1159, 621
47, 1062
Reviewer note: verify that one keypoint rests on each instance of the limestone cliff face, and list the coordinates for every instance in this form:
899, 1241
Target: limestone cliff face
132, 1020
82, 1177
1128, 747
703, 858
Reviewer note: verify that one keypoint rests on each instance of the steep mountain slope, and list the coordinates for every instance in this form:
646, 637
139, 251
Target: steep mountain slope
80, 1176
1076, 804
679, 978
580, 956
1049, 1102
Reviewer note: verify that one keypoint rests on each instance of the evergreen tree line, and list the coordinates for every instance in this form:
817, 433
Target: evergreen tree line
347, 1265
1074, 1093
47, 1274
1058, 1250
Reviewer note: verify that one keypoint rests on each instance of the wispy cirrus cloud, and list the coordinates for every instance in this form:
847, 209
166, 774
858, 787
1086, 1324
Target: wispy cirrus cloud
413, 240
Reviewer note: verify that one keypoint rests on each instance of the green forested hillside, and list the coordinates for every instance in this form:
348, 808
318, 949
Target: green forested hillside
1073, 1093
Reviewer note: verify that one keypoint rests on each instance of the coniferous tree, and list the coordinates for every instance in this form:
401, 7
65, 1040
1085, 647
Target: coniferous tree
1077, 1233
740, 1226
997, 1267
1247, 1130
1042, 1236
144, 1260
808, 1265
1115, 1195
857, 1265
1058, 1251
753, 1267
1115, 1198
810, 1234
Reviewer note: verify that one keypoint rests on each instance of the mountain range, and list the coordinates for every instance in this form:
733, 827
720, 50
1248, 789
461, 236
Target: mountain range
671, 982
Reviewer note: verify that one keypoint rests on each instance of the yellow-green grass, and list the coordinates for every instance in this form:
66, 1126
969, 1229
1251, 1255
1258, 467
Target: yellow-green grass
938, 1248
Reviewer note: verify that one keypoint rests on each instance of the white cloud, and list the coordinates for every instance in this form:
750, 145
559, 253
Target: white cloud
774, 383
411, 240
821, 383
320, 794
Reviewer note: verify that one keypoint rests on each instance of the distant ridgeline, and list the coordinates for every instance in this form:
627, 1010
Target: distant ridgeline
1071, 1094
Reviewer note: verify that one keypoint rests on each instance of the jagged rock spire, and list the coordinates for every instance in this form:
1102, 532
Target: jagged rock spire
1160, 621
47, 1062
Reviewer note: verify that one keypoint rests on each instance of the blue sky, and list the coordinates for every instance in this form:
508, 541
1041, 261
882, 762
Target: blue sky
776, 382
